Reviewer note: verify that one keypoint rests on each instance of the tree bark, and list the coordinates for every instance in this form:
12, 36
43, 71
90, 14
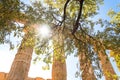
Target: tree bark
21, 64
59, 63
3, 76
85, 60
107, 68
86, 68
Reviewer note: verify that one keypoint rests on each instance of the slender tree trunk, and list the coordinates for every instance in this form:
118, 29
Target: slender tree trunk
86, 67
85, 59
107, 68
59, 62
21, 64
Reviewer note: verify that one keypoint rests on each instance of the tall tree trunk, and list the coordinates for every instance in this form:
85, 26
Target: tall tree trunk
21, 64
107, 68
86, 67
85, 59
59, 62
104, 61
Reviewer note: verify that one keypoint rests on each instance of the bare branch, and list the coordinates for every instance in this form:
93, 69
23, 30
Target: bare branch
64, 15
79, 16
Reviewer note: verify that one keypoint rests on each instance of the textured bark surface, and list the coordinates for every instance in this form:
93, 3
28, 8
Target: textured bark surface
105, 64
107, 68
86, 67
59, 63
3, 77
21, 64
30, 79
58, 70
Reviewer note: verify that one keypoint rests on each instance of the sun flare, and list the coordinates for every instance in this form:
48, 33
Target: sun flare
44, 31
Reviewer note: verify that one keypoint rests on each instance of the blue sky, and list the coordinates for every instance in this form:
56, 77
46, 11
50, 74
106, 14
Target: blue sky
7, 56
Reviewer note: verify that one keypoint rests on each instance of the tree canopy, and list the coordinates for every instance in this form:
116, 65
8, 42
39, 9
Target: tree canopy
71, 17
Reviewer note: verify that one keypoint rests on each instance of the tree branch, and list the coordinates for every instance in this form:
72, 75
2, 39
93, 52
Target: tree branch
79, 16
64, 15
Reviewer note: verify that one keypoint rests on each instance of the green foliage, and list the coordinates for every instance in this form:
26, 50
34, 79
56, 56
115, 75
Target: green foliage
116, 57
115, 17
46, 67
12, 11
9, 13
89, 8
44, 51
111, 35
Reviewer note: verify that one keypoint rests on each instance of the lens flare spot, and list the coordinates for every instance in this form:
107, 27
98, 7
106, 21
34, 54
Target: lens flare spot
44, 31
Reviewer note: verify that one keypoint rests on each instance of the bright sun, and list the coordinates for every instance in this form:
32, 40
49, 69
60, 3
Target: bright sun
44, 31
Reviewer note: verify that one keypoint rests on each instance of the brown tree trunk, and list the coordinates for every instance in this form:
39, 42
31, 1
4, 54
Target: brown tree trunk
107, 68
85, 60
86, 68
59, 62
21, 64
3, 76
86, 65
